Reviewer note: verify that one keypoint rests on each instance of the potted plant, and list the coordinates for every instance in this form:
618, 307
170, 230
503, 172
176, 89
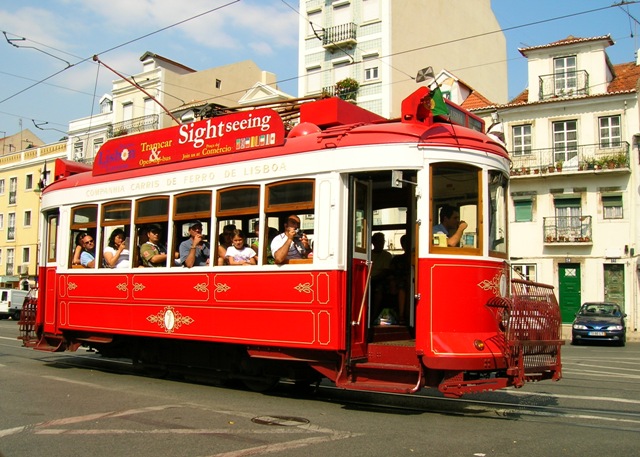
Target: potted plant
559, 165
347, 89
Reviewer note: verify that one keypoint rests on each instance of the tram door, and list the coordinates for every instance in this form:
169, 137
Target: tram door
360, 215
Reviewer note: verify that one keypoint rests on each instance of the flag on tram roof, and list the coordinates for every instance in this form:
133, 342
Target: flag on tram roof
438, 105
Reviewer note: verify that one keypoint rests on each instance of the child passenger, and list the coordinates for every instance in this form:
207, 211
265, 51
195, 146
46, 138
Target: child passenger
239, 253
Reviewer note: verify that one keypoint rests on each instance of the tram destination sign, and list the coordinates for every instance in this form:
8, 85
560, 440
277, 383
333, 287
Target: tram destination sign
233, 133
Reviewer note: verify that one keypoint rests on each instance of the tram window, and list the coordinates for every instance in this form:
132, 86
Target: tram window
190, 207
151, 211
115, 215
290, 195
456, 190
84, 219
498, 213
237, 208
52, 240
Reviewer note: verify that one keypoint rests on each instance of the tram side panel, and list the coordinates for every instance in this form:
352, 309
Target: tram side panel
296, 309
455, 315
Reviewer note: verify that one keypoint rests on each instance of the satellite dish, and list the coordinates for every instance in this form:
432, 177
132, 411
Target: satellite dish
426, 74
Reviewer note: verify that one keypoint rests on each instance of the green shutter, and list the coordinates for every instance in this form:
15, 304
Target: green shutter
524, 210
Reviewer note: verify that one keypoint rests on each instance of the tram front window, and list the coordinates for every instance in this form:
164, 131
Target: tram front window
456, 221
497, 213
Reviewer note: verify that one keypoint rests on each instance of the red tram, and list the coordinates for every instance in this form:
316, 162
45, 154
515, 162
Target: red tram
452, 318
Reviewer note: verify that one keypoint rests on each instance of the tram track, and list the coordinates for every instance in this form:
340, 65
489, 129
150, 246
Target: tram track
522, 405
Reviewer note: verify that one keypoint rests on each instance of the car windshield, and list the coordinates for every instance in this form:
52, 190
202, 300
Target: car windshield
600, 309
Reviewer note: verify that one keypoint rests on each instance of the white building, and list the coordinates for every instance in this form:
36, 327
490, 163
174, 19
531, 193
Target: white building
382, 44
574, 203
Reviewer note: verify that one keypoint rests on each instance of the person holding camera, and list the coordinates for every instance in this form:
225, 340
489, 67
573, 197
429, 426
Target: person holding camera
291, 243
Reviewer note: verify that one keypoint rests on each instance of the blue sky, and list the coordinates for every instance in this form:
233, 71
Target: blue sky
53, 41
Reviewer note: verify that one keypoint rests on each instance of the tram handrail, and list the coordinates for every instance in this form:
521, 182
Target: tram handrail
363, 302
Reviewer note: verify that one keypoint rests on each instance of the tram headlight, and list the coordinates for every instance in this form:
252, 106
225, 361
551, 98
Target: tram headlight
503, 319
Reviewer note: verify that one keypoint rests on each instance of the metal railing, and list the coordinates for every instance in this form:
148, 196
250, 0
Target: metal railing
138, 124
339, 35
567, 229
581, 158
567, 84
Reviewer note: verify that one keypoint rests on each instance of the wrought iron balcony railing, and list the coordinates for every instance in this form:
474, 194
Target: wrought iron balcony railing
584, 157
340, 36
138, 124
567, 229
568, 84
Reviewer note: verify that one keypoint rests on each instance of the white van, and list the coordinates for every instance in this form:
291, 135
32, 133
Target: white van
11, 301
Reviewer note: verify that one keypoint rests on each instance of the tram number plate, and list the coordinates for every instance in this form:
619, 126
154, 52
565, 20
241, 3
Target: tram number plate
597, 333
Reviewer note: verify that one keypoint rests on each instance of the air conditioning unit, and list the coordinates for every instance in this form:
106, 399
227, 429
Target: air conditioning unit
23, 269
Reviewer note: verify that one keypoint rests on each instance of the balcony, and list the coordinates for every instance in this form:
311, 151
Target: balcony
340, 37
585, 158
136, 125
568, 84
567, 230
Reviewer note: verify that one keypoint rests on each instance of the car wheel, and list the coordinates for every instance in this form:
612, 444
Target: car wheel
574, 342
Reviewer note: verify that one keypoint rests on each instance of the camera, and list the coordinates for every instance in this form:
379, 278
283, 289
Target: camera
299, 234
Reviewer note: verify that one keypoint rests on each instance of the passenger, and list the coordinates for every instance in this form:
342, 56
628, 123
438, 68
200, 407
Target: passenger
381, 259
224, 241
380, 269
239, 253
291, 243
116, 254
194, 252
400, 276
77, 250
88, 256
256, 243
153, 253
450, 225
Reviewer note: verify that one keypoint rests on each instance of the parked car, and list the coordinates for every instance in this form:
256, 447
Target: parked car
11, 301
599, 321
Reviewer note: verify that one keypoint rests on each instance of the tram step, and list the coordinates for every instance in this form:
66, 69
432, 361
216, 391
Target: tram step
383, 377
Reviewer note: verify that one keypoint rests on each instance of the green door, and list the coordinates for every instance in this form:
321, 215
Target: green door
570, 298
614, 283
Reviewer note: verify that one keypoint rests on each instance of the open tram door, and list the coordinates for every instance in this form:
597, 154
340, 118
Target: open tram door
360, 214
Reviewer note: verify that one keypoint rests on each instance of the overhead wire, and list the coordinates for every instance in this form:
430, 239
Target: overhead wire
281, 81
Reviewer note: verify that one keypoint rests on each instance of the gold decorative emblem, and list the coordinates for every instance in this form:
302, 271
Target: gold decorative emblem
306, 288
497, 285
122, 286
220, 287
201, 287
138, 286
72, 286
169, 319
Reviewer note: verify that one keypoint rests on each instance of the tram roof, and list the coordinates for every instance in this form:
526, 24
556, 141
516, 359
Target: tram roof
260, 133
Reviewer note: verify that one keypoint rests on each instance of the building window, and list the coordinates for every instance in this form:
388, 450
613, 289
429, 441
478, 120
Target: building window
13, 190
521, 139
28, 182
314, 80
97, 144
525, 271
218, 84
370, 68
11, 228
127, 111
9, 268
1, 186
565, 75
314, 23
565, 140
568, 217
27, 218
523, 210
78, 150
609, 131
612, 207
26, 255
370, 10
1, 221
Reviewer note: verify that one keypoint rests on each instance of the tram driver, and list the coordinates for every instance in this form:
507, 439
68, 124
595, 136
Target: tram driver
450, 225
291, 243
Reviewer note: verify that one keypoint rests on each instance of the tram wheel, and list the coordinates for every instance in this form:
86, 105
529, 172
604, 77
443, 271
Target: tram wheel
261, 384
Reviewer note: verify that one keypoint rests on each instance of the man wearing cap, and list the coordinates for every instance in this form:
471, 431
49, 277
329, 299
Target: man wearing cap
290, 244
153, 253
194, 252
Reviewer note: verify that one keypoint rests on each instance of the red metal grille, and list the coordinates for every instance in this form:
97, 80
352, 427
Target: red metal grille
27, 322
534, 332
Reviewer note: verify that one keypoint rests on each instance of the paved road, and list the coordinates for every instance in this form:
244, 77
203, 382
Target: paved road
79, 404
